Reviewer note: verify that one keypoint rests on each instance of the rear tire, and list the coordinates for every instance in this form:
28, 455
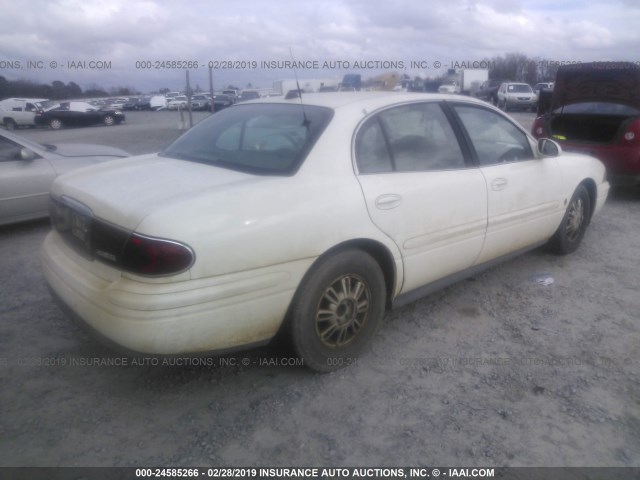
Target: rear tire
9, 124
338, 308
574, 223
55, 124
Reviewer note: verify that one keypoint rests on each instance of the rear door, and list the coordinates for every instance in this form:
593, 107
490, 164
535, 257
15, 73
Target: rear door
524, 192
420, 190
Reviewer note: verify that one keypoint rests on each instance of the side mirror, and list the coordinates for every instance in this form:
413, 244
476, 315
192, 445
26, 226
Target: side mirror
549, 148
27, 155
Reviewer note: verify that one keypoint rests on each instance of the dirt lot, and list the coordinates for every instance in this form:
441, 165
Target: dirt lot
498, 370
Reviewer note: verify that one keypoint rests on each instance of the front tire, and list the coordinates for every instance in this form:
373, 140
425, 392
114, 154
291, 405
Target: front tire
55, 124
338, 308
109, 120
574, 223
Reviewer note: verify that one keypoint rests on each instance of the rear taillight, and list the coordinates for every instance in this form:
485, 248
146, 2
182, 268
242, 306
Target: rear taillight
538, 128
155, 256
120, 248
631, 133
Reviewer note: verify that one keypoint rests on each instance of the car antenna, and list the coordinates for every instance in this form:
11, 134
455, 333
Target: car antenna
306, 122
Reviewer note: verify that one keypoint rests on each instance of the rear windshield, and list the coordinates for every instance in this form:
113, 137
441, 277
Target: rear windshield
598, 108
267, 139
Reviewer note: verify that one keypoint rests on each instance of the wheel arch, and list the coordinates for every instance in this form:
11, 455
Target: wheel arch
379, 252
8, 121
592, 190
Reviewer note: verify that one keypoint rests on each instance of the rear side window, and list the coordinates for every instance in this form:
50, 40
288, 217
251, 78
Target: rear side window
372, 154
409, 138
269, 139
494, 138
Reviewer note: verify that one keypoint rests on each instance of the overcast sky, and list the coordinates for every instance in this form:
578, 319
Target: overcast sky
57, 35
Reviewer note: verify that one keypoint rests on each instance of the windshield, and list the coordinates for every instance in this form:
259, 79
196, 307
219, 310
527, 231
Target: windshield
519, 88
267, 138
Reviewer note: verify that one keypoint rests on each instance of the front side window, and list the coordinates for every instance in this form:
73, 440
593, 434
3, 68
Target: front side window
494, 138
408, 138
269, 139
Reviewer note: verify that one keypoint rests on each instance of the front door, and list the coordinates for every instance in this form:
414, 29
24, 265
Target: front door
524, 192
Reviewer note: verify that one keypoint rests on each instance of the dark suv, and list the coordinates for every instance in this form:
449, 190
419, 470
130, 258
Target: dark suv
489, 91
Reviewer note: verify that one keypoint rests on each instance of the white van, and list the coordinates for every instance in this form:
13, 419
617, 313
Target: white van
15, 112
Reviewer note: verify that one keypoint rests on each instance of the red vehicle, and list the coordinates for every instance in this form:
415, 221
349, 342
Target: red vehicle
595, 109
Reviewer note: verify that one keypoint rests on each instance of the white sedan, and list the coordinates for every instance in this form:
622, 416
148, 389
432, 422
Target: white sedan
311, 217
27, 170
177, 103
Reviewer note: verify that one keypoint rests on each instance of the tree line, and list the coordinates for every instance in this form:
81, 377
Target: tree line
58, 90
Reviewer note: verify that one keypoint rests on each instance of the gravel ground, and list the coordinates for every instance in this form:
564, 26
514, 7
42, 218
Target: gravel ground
497, 370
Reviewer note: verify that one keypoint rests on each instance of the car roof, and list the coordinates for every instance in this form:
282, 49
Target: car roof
366, 100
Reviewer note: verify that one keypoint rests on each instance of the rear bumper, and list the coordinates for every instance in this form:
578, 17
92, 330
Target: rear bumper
222, 313
524, 104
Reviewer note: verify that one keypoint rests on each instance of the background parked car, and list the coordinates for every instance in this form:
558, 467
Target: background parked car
19, 112
595, 109
248, 95
488, 91
177, 102
519, 96
27, 170
99, 103
57, 115
542, 86
116, 103
220, 102
130, 104
232, 94
143, 103
200, 102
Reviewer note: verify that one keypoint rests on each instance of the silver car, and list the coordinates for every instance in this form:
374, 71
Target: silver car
27, 170
516, 95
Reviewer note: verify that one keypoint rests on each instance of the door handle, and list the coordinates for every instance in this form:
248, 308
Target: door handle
388, 201
499, 184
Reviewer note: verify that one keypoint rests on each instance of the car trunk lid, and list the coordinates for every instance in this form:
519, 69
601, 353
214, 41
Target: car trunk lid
106, 189
613, 82
592, 102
